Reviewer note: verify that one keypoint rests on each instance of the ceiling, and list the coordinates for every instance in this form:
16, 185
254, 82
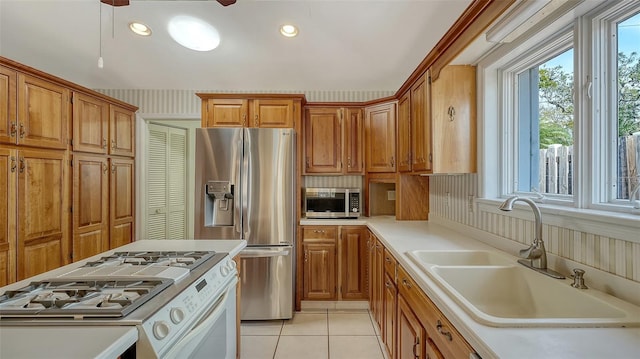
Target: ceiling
342, 45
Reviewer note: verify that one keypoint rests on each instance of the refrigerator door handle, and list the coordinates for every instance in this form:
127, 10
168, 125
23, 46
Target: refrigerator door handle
264, 253
239, 192
246, 186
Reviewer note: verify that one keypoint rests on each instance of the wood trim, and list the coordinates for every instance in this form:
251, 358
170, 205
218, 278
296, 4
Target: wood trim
351, 104
260, 96
477, 17
59, 81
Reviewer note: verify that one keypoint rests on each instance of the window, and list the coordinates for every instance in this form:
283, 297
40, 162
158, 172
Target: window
569, 111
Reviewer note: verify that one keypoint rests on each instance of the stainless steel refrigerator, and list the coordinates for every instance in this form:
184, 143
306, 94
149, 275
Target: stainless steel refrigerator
245, 189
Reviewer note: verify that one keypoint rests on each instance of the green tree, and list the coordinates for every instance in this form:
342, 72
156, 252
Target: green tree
555, 106
628, 93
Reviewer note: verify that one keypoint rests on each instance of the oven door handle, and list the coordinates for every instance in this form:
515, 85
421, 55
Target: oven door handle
264, 253
204, 325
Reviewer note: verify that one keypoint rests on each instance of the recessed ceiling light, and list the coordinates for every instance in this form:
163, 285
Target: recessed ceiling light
289, 30
193, 33
140, 28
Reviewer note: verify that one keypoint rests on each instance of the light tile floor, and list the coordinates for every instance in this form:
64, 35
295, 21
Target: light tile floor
313, 333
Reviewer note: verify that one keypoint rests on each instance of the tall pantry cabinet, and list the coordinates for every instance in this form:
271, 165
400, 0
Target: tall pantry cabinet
46, 186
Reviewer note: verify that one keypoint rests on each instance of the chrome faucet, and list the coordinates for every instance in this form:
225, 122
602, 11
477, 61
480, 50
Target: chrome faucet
535, 257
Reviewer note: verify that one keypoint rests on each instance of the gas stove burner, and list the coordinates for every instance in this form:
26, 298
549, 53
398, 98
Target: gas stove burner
91, 298
185, 259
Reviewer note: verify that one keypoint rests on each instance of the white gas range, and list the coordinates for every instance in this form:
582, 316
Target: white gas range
182, 303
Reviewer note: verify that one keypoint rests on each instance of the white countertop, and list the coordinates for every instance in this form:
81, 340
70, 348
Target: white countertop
401, 237
65, 342
94, 341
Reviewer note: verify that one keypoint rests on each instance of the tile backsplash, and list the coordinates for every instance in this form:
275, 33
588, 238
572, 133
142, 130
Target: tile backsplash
449, 198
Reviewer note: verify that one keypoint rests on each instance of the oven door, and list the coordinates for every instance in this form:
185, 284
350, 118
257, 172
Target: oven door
214, 335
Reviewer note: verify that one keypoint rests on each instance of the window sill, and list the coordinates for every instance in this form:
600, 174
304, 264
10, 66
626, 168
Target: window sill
617, 225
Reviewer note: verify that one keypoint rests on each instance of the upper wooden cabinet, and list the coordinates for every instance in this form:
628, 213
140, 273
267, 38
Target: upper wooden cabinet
250, 110
380, 137
90, 124
121, 131
43, 113
333, 140
8, 118
421, 125
404, 133
454, 120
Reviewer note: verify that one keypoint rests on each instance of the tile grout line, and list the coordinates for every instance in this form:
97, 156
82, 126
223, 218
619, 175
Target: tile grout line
328, 337
275, 350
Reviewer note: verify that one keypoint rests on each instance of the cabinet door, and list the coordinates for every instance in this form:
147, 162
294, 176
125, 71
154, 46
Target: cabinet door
121, 204
8, 121
323, 141
43, 110
390, 314
454, 120
272, 113
319, 270
404, 133
411, 335
121, 131
371, 249
379, 285
421, 124
90, 205
353, 252
43, 211
90, 124
8, 173
225, 113
380, 137
354, 140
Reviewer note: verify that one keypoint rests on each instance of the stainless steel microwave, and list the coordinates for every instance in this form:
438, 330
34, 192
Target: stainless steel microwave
332, 202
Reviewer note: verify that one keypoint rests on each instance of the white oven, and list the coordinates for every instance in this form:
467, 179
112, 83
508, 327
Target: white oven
213, 334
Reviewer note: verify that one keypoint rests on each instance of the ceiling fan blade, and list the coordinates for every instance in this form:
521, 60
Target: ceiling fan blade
116, 2
226, 2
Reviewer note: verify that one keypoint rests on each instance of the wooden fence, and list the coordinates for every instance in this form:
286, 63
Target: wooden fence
556, 170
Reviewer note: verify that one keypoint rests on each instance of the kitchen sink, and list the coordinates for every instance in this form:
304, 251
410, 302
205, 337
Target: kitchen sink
460, 258
496, 291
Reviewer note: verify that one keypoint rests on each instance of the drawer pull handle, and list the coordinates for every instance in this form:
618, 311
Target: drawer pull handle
406, 283
388, 284
415, 347
14, 165
444, 332
388, 259
22, 130
13, 130
318, 231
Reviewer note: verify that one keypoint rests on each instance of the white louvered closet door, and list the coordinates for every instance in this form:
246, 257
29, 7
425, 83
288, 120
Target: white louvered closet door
166, 183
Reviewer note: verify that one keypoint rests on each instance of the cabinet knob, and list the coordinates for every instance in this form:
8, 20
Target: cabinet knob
452, 113
406, 283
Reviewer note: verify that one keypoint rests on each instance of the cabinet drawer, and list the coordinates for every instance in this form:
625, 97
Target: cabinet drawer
443, 335
320, 233
390, 266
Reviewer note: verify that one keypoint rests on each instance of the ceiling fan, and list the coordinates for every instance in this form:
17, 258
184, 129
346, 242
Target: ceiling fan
126, 2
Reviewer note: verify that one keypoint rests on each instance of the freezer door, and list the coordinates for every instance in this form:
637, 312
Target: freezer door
266, 275
269, 180
218, 186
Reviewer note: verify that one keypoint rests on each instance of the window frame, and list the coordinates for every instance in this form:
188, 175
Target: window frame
585, 212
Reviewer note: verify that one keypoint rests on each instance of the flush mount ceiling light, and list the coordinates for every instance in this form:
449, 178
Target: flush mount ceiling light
140, 28
289, 30
193, 33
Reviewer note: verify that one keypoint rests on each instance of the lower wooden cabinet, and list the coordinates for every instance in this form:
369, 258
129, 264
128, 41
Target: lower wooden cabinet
121, 201
42, 210
411, 334
335, 265
390, 316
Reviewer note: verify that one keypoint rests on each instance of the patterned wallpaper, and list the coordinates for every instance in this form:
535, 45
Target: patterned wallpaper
608, 254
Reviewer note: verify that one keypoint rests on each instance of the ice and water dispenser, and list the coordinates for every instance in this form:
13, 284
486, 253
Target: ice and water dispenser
218, 205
